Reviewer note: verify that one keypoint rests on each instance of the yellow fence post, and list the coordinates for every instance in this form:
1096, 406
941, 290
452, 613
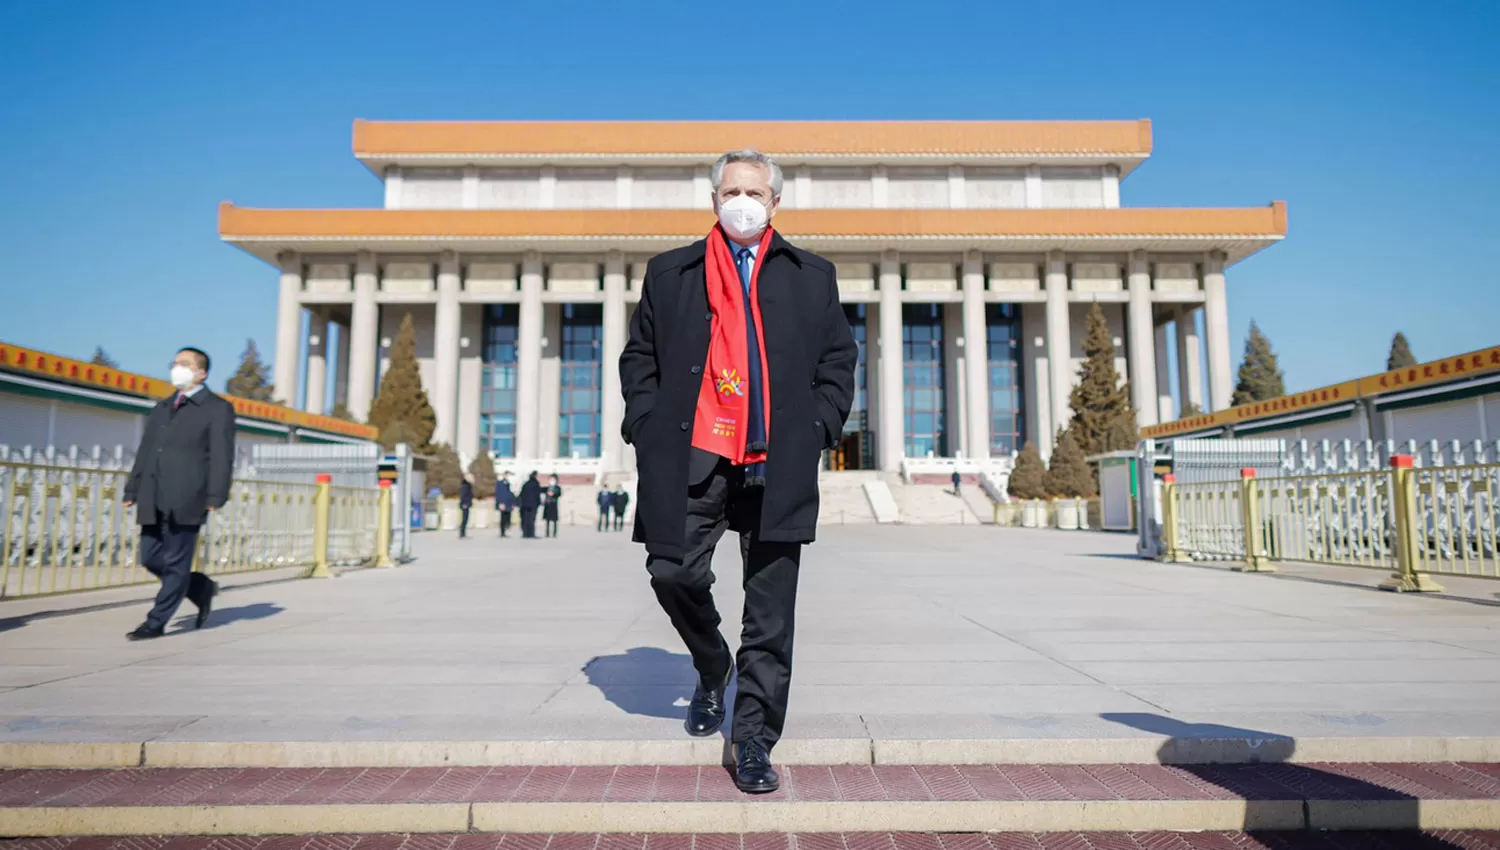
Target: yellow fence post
383, 526
1255, 550
321, 504
1404, 498
1169, 520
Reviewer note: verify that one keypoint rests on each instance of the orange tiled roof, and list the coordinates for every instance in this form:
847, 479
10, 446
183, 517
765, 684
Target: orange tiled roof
246, 223
377, 139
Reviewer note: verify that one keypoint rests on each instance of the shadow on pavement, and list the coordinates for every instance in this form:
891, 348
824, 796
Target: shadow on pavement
225, 616
646, 681
1242, 756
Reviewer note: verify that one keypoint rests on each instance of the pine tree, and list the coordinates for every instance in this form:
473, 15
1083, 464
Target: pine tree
401, 399
1190, 408
1069, 474
102, 358
1103, 420
341, 411
444, 471
482, 467
1400, 356
251, 381
1259, 377
1028, 478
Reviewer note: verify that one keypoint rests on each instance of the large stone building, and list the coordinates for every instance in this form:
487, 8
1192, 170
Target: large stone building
968, 254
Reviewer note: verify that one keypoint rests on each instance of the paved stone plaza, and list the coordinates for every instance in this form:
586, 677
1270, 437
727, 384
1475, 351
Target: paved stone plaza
906, 635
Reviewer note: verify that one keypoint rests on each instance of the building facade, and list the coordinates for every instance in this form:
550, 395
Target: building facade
968, 255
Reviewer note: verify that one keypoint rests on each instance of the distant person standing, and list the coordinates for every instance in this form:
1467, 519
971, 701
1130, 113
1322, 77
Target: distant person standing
531, 499
606, 501
505, 502
621, 501
957, 480
549, 505
465, 504
182, 472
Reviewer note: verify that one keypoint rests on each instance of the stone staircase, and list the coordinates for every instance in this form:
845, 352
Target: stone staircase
842, 499
935, 504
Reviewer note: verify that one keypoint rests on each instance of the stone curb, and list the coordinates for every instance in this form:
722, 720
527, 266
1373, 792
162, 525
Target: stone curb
708, 752
750, 816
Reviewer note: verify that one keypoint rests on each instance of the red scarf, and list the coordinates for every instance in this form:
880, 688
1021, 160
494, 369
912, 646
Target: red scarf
723, 400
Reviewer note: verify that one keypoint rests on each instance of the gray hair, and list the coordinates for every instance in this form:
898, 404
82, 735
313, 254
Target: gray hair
752, 156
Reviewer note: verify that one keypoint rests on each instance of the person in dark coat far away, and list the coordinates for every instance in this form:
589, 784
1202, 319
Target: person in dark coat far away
531, 499
606, 500
505, 502
182, 473
739, 372
957, 480
551, 494
465, 503
621, 501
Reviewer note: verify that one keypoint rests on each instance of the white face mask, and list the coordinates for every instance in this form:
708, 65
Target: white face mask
743, 217
182, 377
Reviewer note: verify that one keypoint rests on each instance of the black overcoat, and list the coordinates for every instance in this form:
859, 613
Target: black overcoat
185, 461
810, 353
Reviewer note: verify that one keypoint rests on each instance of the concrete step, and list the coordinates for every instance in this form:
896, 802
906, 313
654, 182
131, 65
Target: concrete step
934, 798
934, 504
1445, 839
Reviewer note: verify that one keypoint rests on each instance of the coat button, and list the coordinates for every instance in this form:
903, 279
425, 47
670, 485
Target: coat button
697, 369
708, 316
817, 423
682, 425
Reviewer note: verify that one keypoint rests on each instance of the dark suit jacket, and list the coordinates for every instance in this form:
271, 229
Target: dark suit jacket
810, 353
505, 500
185, 461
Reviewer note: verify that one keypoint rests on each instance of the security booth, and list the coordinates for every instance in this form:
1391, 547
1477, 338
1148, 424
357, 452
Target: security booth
1117, 489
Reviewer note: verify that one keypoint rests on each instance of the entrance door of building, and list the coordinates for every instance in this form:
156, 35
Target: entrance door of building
849, 455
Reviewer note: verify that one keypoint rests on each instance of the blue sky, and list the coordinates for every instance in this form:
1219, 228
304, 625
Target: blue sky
124, 125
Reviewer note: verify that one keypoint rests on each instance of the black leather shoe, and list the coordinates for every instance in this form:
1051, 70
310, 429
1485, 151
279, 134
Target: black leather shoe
753, 773
706, 711
206, 605
145, 632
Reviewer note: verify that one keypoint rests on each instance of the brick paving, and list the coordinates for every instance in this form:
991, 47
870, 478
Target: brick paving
853, 783
1468, 840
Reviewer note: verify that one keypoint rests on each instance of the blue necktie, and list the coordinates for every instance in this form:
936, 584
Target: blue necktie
742, 262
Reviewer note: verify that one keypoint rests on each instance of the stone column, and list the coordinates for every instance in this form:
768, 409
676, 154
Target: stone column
445, 333
1165, 411
341, 367
1189, 360
317, 361
288, 328
549, 378
1216, 328
529, 357
1141, 345
612, 406
892, 376
976, 360
1059, 339
363, 337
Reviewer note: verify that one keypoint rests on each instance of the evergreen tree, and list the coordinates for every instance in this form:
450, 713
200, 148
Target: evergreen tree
1400, 356
1069, 474
401, 400
1028, 478
251, 381
1190, 408
102, 358
483, 470
1103, 420
1259, 377
444, 471
341, 411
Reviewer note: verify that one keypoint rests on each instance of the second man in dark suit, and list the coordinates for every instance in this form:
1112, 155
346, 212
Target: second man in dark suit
182, 473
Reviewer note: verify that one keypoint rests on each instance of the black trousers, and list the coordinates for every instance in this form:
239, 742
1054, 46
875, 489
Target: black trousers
167, 553
619, 519
504, 521
463, 523
603, 522
684, 588
551, 526
528, 522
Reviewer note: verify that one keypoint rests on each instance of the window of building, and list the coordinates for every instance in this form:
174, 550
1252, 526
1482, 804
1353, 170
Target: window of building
1007, 395
856, 449
497, 397
922, 361
578, 419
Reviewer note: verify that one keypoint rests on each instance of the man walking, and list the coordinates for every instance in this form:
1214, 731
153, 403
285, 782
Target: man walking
621, 501
738, 373
182, 473
531, 499
465, 504
606, 500
505, 502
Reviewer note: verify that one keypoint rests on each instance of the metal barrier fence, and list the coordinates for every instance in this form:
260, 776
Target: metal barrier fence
1415, 522
66, 528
